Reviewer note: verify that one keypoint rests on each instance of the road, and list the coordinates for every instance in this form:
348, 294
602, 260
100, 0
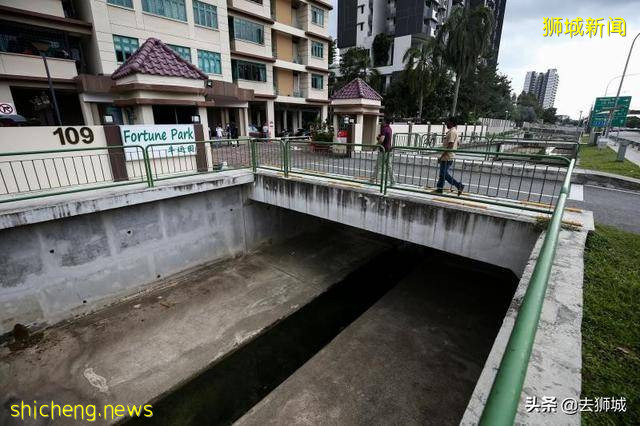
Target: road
612, 207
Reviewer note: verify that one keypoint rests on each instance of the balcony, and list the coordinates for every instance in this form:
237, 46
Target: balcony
33, 66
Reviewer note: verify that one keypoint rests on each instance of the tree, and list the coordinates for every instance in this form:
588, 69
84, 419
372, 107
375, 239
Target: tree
381, 45
549, 115
356, 63
466, 37
418, 66
485, 93
633, 122
332, 51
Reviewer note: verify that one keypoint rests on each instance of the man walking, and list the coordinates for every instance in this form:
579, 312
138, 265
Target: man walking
450, 143
384, 139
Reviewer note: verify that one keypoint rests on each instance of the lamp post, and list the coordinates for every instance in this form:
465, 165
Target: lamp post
624, 72
606, 90
42, 48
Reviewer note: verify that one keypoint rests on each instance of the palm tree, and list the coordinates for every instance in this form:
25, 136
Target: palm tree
466, 36
418, 62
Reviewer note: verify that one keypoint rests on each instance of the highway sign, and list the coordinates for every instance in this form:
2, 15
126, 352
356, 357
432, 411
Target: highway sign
603, 107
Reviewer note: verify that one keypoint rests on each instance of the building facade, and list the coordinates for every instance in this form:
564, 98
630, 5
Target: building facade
544, 85
408, 22
266, 62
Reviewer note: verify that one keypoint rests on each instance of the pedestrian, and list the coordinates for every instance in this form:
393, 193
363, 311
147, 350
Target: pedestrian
384, 140
219, 131
265, 130
233, 130
450, 143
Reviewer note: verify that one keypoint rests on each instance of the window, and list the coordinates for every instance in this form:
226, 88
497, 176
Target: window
205, 14
209, 62
174, 9
317, 49
317, 16
246, 30
124, 47
248, 70
317, 81
184, 52
124, 3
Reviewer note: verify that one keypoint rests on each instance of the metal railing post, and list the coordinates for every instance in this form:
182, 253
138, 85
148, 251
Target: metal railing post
254, 157
147, 165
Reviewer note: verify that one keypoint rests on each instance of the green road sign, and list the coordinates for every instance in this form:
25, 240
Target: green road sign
603, 108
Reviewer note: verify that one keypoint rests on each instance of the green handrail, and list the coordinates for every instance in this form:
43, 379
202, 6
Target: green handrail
502, 404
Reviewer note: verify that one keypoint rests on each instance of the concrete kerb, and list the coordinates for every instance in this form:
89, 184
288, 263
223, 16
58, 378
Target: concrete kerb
67, 205
606, 180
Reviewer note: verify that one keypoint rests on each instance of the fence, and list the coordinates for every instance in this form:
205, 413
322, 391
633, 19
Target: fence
523, 180
519, 178
505, 144
33, 174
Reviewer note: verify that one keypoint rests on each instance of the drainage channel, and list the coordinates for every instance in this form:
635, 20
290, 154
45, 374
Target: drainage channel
427, 280
232, 386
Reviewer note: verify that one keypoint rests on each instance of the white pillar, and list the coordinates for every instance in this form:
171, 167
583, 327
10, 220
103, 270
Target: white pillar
244, 113
204, 120
285, 119
324, 113
271, 118
336, 126
359, 127
299, 119
144, 115
87, 114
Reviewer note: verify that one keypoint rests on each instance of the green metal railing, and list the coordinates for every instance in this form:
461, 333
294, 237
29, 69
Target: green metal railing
513, 180
182, 159
34, 174
502, 404
528, 181
358, 163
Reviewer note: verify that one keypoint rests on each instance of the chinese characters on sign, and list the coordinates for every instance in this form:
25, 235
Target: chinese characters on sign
584, 27
165, 140
571, 406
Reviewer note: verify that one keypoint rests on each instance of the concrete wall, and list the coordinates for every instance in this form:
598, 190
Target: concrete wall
495, 237
53, 270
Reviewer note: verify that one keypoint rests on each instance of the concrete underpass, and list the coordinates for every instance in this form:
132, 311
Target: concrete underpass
259, 299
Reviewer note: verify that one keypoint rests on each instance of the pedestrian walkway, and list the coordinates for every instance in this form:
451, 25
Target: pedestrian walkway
632, 154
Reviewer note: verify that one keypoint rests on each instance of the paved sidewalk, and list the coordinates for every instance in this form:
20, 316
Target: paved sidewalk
632, 154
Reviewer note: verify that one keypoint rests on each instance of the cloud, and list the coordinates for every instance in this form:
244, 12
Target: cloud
585, 65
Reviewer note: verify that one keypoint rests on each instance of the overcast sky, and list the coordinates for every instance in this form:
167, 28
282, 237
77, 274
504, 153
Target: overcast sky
585, 65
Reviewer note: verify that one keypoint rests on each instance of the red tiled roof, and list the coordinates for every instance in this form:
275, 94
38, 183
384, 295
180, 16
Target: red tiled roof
156, 58
357, 89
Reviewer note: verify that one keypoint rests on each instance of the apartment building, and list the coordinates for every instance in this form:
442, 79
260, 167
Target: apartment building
408, 22
250, 62
544, 85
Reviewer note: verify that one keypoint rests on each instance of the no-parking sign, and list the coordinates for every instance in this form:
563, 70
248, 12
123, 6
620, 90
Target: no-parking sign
7, 108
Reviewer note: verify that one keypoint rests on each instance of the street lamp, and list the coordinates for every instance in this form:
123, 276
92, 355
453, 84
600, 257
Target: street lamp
624, 72
42, 47
606, 90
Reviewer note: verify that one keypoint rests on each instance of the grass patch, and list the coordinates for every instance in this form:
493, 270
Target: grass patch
611, 323
604, 160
